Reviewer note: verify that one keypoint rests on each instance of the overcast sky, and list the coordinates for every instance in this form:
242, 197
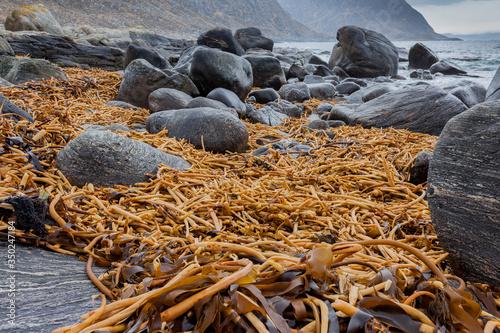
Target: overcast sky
460, 16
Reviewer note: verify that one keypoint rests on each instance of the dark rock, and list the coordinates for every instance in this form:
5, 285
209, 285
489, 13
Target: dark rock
267, 71
340, 72
421, 57
324, 108
180, 82
264, 96
296, 71
359, 82
447, 68
323, 70
356, 97
267, 116
6, 64
296, 92
333, 79
374, 92
493, 92
315, 60
252, 38
204, 102
120, 104
107, 159
213, 68
313, 79
318, 124
403, 54
63, 51
340, 112
4, 83
463, 183
364, 53
285, 107
420, 168
216, 130
398, 77
35, 18
347, 88
136, 51
221, 38
336, 123
383, 79
421, 75
26, 69
261, 151
423, 109
229, 98
111, 128
324, 91
9, 107
470, 93
164, 99
183, 65
5, 48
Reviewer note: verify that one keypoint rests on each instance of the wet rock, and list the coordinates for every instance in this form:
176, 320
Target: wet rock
9, 107
315, 60
136, 51
264, 96
295, 92
447, 68
403, 54
296, 71
340, 72
229, 98
252, 37
35, 17
26, 69
463, 183
323, 70
420, 168
212, 68
120, 104
267, 116
493, 92
364, 53
423, 109
218, 131
324, 91
421, 57
107, 159
336, 123
221, 38
347, 88
164, 99
267, 71
470, 93
183, 65
374, 92
203, 102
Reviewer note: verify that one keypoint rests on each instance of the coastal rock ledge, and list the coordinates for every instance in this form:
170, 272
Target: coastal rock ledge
463, 192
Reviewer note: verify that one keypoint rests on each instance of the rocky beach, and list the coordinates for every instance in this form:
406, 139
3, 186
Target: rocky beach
225, 184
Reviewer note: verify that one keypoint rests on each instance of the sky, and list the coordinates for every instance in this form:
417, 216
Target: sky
460, 16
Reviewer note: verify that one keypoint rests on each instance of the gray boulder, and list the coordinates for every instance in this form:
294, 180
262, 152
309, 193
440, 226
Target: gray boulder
324, 108
315, 60
251, 37
212, 68
290, 109
164, 99
493, 92
447, 68
364, 53
463, 183
295, 92
267, 116
35, 17
136, 51
347, 88
120, 104
27, 69
267, 71
183, 64
421, 57
218, 131
423, 109
221, 38
374, 92
296, 71
264, 96
9, 107
323, 91
204, 102
323, 70
313, 79
104, 158
470, 93
229, 98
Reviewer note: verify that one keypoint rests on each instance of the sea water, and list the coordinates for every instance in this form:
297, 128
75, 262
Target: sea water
480, 59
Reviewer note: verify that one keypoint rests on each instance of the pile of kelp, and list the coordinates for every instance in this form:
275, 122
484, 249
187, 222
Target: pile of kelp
333, 240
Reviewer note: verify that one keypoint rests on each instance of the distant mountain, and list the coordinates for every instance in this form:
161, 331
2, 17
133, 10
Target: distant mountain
486, 36
396, 19
175, 18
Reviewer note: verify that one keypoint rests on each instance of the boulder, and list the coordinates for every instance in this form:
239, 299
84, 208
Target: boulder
9, 107
421, 57
324, 108
313, 79
318, 124
104, 158
27, 69
359, 82
229, 98
341, 112
347, 88
340, 72
221, 38
5, 48
423, 109
141, 79
295, 92
447, 68
296, 71
469, 92
463, 183
35, 17
364, 53
120, 104
323, 70
212, 68
267, 116
374, 92
136, 51
164, 99
65, 52
323, 91
315, 60
420, 168
264, 96
204, 102
493, 92
250, 38
218, 131
285, 107
267, 71
403, 54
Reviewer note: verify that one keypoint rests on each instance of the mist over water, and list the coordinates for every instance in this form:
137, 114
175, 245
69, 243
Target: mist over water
478, 58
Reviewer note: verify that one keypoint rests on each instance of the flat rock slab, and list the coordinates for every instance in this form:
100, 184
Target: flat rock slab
464, 192
53, 290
